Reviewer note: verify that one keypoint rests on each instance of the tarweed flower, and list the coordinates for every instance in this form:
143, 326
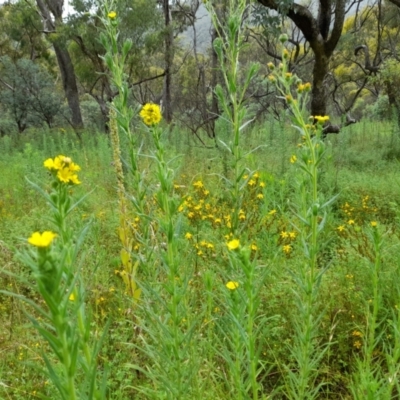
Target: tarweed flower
63, 168
42, 239
321, 119
232, 285
151, 114
233, 244
287, 248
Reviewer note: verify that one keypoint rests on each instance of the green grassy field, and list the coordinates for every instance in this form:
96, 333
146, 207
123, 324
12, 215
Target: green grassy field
361, 277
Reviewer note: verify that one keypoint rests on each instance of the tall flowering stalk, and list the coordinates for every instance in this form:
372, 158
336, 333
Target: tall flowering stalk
168, 318
242, 357
53, 261
312, 212
228, 45
133, 230
372, 377
244, 326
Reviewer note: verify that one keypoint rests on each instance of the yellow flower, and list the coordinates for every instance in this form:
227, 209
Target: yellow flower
350, 221
341, 228
357, 344
42, 239
321, 119
262, 184
188, 235
71, 297
233, 244
112, 15
260, 196
284, 235
374, 224
198, 184
289, 98
251, 182
293, 159
292, 235
232, 285
287, 248
151, 114
254, 247
67, 176
65, 169
55, 164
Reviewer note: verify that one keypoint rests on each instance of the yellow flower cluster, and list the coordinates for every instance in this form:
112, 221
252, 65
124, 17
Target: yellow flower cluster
42, 240
151, 114
64, 169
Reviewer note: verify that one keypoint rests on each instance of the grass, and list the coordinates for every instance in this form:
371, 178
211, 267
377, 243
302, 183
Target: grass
361, 166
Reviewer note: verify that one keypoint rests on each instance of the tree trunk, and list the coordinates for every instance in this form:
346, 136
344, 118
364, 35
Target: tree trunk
168, 42
47, 8
69, 84
318, 93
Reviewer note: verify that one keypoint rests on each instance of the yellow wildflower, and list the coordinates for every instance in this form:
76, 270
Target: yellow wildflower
254, 247
233, 244
350, 221
374, 224
112, 15
272, 212
42, 239
188, 235
232, 285
262, 184
151, 114
198, 184
293, 159
284, 235
357, 344
321, 119
71, 297
287, 248
292, 235
260, 196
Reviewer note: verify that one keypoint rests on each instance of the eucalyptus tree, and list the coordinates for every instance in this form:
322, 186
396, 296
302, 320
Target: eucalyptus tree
28, 93
20, 36
321, 26
51, 12
142, 23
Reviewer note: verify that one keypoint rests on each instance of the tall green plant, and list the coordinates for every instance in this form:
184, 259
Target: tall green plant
312, 211
241, 293
60, 316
